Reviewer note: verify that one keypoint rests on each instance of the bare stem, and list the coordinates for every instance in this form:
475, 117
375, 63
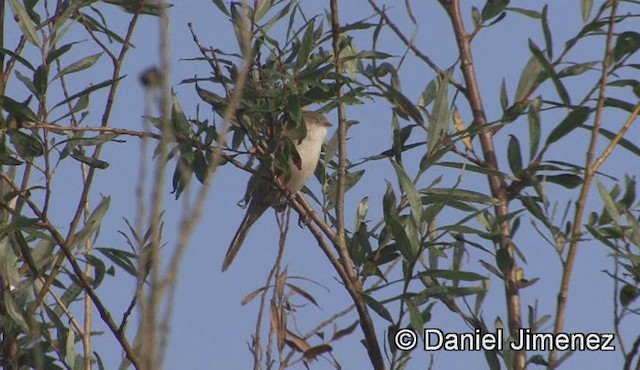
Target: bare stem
498, 191
591, 168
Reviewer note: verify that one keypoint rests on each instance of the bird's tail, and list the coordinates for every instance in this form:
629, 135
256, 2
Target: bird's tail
254, 212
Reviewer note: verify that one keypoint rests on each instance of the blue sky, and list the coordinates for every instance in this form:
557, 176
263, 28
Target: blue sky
210, 329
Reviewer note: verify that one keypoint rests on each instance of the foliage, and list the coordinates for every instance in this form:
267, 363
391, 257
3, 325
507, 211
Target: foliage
472, 180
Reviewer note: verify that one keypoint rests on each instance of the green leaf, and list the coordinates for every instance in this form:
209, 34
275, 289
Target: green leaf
123, 259
609, 203
627, 43
475, 17
238, 21
531, 75
514, 155
585, 8
221, 7
93, 223
79, 65
574, 119
17, 58
26, 145
548, 41
17, 109
453, 275
567, 180
628, 294
439, 122
473, 168
492, 360
463, 195
503, 259
216, 101
27, 82
91, 162
40, 82
54, 54
88, 91
24, 22
504, 99
492, 8
408, 187
70, 353
377, 307
548, 68
577, 69
534, 127
402, 105
529, 13
620, 104
179, 122
306, 46
403, 242
13, 311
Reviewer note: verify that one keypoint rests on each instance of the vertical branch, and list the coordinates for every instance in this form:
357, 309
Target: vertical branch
354, 286
342, 124
151, 356
472, 93
590, 171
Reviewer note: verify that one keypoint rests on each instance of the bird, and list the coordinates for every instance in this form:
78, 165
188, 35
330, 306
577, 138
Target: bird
266, 195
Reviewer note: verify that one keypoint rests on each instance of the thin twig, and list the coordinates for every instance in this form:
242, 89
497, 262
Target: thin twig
498, 191
590, 171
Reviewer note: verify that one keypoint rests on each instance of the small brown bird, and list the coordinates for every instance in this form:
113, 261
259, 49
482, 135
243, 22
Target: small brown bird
266, 195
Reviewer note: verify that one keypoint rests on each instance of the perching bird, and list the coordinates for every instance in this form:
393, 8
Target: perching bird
266, 195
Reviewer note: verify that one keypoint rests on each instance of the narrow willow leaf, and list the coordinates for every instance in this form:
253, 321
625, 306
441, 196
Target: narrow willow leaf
609, 203
306, 46
504, 99
514, 155
377, 307
402, 239
574, 119
620, 104
238, 21
221, 7
13, 311
415, 318
91, 162
585, 8
24, 22
529, 77
79, 65
548, 41
26, 145
439, 122
262, 7
548, 68
453, 275
475, 16
567, 180
17, 58
27, 82
534, 127
70, 348
473, 168
492, 8
408, 187
577, 69
17, 109
87, 91
463, 195
627, 43
529, 13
